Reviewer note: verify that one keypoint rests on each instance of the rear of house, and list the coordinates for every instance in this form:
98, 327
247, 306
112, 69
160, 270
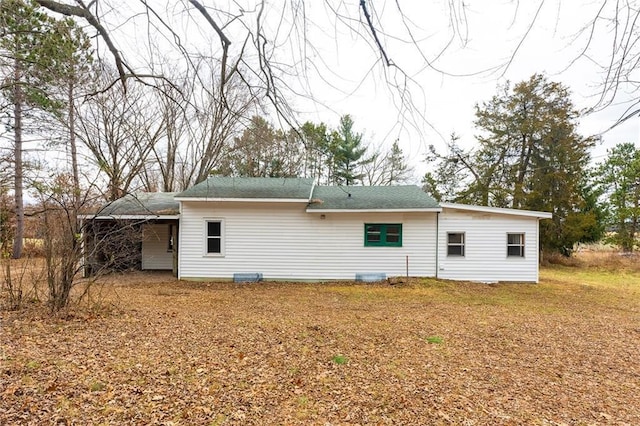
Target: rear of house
290, 229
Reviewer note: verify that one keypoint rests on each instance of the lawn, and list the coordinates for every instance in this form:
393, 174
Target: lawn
157, 351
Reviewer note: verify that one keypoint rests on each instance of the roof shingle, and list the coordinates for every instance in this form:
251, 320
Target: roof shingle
404, 197
142, 203
245, 187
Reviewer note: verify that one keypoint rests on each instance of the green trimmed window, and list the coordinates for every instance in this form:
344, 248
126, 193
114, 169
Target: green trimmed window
383, 235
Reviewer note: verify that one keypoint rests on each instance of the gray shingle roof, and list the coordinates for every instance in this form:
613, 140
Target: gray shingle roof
323, 198
370, 198
244, 187
142, 203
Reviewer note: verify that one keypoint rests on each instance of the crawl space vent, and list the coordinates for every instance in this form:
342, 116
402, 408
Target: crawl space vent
247, 277
371, 277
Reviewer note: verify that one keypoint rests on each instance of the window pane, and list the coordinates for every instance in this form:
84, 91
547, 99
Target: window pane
213, 229
213, 245
391, 238
455, 250
374, 228
393, 234
373, 233
515, 251
514, 238
455, 238
393, 230
373, 238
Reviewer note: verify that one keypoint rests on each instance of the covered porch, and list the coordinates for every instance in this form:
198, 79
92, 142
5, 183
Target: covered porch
136, 232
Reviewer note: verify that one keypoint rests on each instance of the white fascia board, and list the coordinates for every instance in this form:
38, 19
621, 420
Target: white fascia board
245, 200
129, 216
498, 210
429, 210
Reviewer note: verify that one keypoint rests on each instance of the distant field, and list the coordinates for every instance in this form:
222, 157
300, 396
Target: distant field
564, 351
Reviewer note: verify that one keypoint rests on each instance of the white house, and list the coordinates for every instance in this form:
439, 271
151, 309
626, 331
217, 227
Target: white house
291, 229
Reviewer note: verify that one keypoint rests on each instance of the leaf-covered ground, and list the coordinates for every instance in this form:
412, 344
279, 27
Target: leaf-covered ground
566, 351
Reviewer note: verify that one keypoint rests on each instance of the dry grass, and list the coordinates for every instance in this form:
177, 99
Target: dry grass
425, 352
603, 258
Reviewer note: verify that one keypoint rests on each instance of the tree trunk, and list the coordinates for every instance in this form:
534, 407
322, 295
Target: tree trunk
18, 181
74, 150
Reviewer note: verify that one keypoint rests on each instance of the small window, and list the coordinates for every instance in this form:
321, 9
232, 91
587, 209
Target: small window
383, 235
515, 245
455, 244
170, 239
214, 243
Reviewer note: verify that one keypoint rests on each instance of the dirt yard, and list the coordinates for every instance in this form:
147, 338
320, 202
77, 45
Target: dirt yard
566, 351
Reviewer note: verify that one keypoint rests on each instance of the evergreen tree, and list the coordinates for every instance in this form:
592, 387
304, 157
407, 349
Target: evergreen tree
531, 156
28, 47
318, 160
396, 170
263, 151
449, 172
348, 152
619, 180
73, 68
385, 169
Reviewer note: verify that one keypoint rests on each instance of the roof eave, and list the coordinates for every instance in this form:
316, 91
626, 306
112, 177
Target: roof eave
250, 200
498, 210
407, 210
129, 216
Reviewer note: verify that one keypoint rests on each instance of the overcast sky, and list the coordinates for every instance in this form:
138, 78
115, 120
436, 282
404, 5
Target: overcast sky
467, 49
487, 37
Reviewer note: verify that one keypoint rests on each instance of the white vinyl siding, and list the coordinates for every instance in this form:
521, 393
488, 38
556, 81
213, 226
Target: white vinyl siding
155, 247
282, 241
485, 247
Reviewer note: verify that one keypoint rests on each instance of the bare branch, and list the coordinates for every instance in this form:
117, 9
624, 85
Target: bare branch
83, 11
363, 6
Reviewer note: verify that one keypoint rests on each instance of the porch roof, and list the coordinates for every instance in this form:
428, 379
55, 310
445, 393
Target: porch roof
141, 205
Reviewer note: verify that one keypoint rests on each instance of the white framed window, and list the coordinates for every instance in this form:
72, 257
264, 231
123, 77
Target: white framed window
455, 243
515, 245
214, 237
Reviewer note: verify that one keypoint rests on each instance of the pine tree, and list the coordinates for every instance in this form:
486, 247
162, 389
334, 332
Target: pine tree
395, 166
348, 153
73, 68
449, 172
619, 180
27, 49
531, 156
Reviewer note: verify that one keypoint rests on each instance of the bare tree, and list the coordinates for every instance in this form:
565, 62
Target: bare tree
166, 153
276, 48
213, 123
120, 129
615, 24
385, 169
